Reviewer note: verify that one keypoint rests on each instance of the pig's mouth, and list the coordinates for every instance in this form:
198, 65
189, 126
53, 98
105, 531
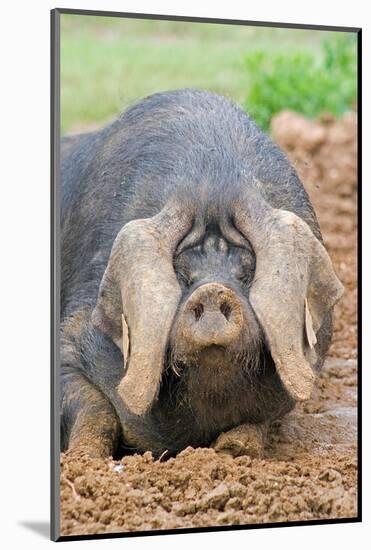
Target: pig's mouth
215, 372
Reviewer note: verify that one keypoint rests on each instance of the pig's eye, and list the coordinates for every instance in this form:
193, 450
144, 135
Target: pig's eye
186, 280
192, 279
247, 274
244, 277
185, 276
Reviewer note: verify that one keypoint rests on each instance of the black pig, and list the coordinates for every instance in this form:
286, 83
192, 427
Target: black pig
196, 293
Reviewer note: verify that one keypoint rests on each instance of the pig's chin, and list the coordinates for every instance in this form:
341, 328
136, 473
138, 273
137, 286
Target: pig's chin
215, 373
213, 357
214, 388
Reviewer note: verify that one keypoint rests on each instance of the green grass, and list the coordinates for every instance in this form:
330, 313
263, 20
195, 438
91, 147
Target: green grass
108, 63
301, 81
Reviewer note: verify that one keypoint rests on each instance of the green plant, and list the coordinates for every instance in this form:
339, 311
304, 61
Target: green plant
301, 81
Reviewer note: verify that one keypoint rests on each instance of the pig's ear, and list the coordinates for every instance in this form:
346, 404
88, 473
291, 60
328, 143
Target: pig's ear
294, 287
138, 298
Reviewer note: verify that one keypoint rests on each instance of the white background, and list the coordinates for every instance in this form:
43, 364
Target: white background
24, 298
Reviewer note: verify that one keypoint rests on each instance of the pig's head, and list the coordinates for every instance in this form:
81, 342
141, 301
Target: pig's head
215, 338
188, 295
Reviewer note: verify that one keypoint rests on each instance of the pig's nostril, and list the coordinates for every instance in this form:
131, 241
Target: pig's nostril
226, 310
198, 311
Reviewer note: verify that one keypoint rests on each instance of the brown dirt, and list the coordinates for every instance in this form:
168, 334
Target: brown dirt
309, 470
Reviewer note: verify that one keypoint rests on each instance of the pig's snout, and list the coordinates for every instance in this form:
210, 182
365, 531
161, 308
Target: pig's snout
212, 315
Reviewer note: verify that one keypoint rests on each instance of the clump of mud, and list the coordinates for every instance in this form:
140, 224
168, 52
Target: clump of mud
309, 469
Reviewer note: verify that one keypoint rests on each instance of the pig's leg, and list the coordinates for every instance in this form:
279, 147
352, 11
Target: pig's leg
89, 422
246, 439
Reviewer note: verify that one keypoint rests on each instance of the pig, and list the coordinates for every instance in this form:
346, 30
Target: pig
196, 292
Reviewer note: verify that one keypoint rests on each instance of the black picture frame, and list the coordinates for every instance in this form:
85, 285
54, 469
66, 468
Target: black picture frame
55, 269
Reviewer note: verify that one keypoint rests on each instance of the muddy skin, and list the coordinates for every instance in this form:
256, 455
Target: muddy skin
308, 468
150, 218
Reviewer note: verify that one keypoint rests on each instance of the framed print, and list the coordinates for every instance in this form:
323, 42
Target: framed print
205, 205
